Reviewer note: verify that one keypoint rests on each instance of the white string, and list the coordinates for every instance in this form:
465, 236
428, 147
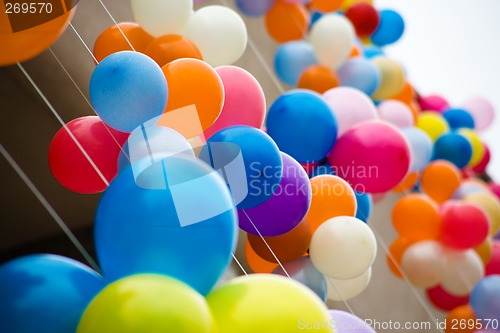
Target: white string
83, 42
116, 24
340, 294
239, 264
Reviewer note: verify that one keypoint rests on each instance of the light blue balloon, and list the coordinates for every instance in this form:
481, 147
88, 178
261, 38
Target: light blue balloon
421, 147
292, 59
361, 74
186, 228
371, 52
127, 89
254, 7
485, 299
390, 28
45, 294
364, 209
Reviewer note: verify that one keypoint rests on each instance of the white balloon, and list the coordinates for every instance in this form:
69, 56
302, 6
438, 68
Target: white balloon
219, 33
162, 17
344, 290
424, 264
343, 248
332, 38
462, 271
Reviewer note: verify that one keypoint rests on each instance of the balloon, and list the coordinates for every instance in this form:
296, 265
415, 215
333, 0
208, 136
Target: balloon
318, 78
485, 251
481, 110
331, 196
344, 290
303, 271
81, 166
491, 206
349, 241
332, 38
453, 147
111, 40
439, 180
364, 17
45, 293
162, 17
458, 118
416, 217
361, 74
168, 48
493, 266
485, 298
464, 225
147, 303
266, 303
254, 7
390, 29
495, 188
345, 322
443, 300
250, 162
395, 255
194, 246
127, 89
24, 37
421, 147
292, 59
392, 78
483, 164
423, 263
462, 319
184, 77
478, 150
469, 186
434, 103
346, 4
326, 6
463, 270
396, 113
372, 52
244, 100
256, 263
364, 206
350, 107
219, 33
407, 95
303, 125
372, 156
287, 206
286, 22
408, 183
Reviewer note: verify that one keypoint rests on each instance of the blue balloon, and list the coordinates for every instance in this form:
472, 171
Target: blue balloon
292, 59
453, 147
315, 16
420, 146
361, 74
365, 203
485, 299
45, 294
254, 7
127, 89
390, 28
303, 125
459, 118
185, 228
323, 168
371, 52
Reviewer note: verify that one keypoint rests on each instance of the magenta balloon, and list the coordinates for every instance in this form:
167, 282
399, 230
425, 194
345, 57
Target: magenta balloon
344, 322
481, 110
372, 156
433, 103
396, 113
244, 102
286, 208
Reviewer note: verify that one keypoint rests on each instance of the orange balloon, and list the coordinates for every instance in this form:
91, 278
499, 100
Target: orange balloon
485, 250
408, 183
318, 78
24, 36
439, 180
331, 196
111, 40
195, 96
256, 263
326, 6
395, 255
287, 21
355, 52
462, 320
286, 247
171, 47
416, 217
407, 95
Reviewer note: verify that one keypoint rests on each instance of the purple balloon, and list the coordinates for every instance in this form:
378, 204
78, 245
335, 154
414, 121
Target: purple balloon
345, 322
286, 208
254, 7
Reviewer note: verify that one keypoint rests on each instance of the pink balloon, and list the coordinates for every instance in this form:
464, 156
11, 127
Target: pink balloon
481, 110
396, 113
350, 107
244, 103
433, 103
495, 188
372, 156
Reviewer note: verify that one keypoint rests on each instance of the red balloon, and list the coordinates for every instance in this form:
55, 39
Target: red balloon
70, 166
480, 168
443, 300
364, 17
493, 266
464, 225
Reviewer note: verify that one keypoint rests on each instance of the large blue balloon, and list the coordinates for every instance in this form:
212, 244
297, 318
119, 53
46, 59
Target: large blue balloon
303, 125
453, 147
485, 300
390, 29
420, 147
127, 89
458, 118
364, 209
292, 59
361, 74
254, 7
45, 294
186, 228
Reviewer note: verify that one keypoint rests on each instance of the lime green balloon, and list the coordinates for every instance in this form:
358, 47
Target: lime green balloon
147, 303
267, 303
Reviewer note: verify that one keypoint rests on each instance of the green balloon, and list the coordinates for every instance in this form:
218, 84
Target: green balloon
266, 303
147, 303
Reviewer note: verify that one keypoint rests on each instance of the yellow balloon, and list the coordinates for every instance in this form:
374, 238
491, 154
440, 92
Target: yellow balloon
346, 4
477, 146
433, 124
491, 206
392, 78
147, 303
485, 250
266, 303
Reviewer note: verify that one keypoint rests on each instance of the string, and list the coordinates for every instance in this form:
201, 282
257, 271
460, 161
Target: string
239, 264
83, 42
116, 24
